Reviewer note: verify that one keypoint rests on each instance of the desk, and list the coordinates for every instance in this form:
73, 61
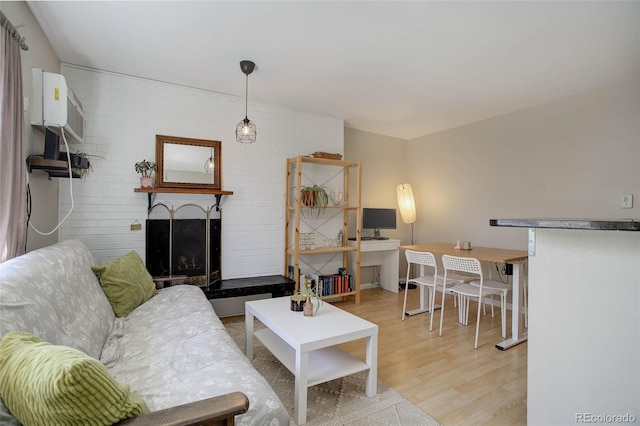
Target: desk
383, 253
487, 254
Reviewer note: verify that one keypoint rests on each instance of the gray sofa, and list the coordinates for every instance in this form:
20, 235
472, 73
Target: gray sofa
172, 350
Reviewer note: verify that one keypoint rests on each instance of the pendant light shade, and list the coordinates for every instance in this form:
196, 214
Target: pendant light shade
210, 165
406, 203
246, 130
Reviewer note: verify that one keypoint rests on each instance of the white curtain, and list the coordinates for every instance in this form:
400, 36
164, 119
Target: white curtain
13, 195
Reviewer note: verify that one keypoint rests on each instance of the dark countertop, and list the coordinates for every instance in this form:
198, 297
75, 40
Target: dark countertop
589, 224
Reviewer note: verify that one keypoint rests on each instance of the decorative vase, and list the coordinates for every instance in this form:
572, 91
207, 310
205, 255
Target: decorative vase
146, 182
308, 308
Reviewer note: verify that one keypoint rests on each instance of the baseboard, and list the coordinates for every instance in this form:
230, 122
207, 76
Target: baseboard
368, 286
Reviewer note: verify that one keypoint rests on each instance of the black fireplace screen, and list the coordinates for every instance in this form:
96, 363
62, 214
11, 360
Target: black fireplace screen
178, 247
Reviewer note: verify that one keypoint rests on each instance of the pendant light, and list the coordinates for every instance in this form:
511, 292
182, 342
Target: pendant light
209, 165
246, 130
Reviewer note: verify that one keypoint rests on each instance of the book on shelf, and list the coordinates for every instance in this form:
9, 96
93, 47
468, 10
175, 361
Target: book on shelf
334, 284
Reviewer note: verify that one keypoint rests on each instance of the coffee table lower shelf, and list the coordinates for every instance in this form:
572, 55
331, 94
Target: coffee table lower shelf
325, 364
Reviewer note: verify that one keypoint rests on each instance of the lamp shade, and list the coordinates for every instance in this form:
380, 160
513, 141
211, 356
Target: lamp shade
246, 131
209, 165
406, 203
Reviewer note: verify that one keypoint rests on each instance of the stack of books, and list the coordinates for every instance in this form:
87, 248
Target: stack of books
333, 284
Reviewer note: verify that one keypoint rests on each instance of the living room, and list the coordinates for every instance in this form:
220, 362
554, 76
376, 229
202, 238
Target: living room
573, 156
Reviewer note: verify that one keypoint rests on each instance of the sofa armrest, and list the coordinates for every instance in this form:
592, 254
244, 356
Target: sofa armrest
219, 410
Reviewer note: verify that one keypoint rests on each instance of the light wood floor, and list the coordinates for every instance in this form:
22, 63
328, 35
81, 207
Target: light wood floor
445, 376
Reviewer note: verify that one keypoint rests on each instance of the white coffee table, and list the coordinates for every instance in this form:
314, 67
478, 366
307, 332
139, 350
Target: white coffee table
306, 346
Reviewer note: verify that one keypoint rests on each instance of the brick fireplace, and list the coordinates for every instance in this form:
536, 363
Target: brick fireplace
183, 246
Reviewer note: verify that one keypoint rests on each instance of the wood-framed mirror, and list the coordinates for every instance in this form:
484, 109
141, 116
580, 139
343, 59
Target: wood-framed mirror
188, 163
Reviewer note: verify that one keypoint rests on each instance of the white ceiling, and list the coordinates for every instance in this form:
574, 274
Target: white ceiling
403, 69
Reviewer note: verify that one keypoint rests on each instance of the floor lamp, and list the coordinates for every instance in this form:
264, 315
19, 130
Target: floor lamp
407, 206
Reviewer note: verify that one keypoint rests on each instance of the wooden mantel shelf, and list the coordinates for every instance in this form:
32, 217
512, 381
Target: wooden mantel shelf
184, 191
203, 191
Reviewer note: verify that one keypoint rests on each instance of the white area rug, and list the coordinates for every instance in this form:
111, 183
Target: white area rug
338, 402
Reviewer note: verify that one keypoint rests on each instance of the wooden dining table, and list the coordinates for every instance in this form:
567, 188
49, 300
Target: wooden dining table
517, 258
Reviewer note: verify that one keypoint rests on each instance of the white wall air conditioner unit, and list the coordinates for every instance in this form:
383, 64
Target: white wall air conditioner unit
55, 106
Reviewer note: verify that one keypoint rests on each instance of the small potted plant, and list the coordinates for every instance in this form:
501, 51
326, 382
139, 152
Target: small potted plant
145, 168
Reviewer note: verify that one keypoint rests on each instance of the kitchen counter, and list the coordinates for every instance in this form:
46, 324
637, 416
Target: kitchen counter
584, 318
589, 224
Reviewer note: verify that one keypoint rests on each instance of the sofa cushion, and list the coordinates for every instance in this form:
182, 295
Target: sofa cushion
126, 282
43, 383
52, 293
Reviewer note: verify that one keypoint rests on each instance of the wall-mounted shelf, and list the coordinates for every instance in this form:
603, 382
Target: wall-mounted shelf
183, 190
54, 168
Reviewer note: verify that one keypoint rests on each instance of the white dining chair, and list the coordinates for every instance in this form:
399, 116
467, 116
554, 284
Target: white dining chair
429, 279
465, 291
503, 289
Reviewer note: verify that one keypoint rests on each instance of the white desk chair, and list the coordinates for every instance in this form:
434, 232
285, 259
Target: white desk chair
465, 291
433, 281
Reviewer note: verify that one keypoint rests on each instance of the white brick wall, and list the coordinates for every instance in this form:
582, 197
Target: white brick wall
123, 115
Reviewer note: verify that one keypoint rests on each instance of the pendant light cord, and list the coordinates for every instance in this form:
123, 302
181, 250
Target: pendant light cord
246, 97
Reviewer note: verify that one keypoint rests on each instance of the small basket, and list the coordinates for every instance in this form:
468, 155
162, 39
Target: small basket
327, 155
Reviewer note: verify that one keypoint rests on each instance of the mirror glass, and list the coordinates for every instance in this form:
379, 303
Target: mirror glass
184, 162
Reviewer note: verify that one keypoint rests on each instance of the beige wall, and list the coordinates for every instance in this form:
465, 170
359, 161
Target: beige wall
383, 168
570, 158
574, 157
44, 193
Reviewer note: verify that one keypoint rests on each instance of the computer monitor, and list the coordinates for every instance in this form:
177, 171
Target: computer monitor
378, 219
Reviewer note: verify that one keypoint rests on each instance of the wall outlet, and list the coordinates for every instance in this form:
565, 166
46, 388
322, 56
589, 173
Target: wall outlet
627, 201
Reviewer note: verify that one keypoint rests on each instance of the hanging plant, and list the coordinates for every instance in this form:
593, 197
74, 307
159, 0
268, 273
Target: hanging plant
80, 163
315, 198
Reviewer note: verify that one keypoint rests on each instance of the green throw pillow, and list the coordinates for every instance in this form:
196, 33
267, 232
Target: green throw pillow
126, 282
45, 384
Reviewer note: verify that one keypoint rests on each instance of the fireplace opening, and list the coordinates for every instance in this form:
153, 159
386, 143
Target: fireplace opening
185, 248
